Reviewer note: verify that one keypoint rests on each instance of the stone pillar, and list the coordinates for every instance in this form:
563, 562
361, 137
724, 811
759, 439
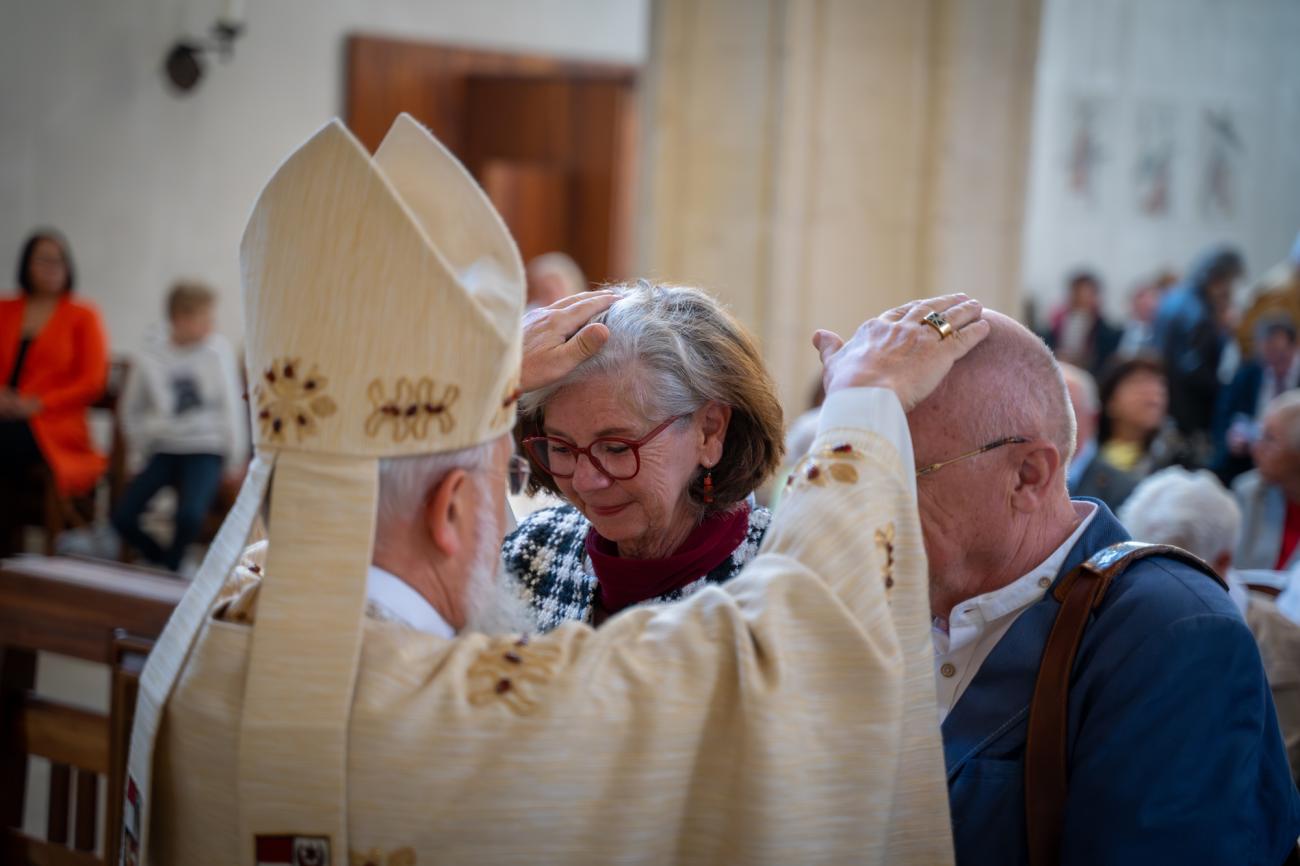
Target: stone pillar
816, 161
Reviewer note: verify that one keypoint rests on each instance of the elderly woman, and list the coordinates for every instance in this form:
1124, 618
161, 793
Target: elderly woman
655, 442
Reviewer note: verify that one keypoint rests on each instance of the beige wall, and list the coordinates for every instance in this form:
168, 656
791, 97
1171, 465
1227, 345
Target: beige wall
816, 162
149, 186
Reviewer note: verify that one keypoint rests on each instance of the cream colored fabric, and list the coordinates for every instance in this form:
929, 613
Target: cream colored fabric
382, 304
785, 717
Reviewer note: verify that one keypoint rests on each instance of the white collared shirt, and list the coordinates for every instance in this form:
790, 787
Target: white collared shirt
396, 600
977, 624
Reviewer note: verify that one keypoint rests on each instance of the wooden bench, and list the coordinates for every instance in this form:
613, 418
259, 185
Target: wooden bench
91, 610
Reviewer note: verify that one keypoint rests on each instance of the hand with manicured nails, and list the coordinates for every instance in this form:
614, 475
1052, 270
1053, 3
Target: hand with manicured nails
899, 351
560, 337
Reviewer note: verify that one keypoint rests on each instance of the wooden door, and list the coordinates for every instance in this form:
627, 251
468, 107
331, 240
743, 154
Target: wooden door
552, 142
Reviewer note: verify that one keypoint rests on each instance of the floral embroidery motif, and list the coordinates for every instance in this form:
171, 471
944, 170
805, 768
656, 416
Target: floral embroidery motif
835, 464
376, 857
511, 674
508, 399
289, 399
412, 409
885, 542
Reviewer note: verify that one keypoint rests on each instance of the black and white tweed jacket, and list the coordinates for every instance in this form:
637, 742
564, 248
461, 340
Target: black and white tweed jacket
547, 556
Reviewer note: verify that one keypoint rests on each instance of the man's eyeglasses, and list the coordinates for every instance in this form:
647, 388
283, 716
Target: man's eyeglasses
616, 458
935, 467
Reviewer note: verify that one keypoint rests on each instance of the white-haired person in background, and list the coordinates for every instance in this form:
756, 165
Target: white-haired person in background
1269, 494
1192, 510
553, 277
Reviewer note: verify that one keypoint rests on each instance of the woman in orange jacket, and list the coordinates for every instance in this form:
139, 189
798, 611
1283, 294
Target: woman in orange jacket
53, 365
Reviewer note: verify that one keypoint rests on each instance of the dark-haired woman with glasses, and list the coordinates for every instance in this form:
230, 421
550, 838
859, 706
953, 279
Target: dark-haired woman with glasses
656, 443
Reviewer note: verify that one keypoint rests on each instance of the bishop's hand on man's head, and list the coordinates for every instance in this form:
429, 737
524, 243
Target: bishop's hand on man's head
560, 337
908, 349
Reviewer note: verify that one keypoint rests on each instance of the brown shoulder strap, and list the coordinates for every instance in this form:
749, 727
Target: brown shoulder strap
1046, 783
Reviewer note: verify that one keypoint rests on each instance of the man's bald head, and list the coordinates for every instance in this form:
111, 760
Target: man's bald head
1008, 385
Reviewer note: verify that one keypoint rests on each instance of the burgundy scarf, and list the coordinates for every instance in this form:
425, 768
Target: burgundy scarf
624, 581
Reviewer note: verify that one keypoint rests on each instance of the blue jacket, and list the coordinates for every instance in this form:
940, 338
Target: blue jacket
1175, 752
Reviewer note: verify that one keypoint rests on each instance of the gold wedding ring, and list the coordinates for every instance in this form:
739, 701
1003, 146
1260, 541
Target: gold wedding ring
940, 324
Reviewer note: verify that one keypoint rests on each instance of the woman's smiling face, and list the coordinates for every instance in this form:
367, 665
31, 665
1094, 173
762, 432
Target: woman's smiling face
651, 511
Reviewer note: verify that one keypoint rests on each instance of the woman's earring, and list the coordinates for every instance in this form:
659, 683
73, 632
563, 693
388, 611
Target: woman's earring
708, 487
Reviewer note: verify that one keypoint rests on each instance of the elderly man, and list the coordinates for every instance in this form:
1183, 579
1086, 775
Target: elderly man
784, 717
1192, 510
1161, 768
1269, 495
1088, 476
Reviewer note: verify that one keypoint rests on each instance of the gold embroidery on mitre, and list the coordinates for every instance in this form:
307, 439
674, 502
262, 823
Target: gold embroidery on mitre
885, 542
512, 673
290, 399
376, 857
415, 407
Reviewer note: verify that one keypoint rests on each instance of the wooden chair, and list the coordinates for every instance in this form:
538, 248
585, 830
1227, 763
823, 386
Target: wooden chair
97, 611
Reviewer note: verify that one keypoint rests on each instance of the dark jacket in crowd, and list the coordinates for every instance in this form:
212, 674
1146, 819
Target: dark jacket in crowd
1100, 480
1240, 397
1191, 343
1175, 750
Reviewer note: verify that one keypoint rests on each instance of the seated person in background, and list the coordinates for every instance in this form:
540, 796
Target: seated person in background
553, 277
53, 366
1269, 494
656, 442
182, 408
1133, 432
1080, 334
1192, 510
1161, 769
1274, 369
1088, 476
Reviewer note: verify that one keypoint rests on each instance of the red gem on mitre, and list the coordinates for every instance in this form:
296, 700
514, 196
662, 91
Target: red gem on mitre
843, 448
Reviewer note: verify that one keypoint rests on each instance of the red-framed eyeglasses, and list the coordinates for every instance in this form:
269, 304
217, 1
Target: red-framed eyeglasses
616, 458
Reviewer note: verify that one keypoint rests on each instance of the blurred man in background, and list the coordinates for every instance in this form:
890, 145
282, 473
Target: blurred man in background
1274, 370
1269, 495
1080, 334
1192, 510
1191, 333
1088, 475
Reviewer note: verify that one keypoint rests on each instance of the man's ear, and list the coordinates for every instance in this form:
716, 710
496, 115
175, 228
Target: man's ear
1036, 476
714, 419
444, 511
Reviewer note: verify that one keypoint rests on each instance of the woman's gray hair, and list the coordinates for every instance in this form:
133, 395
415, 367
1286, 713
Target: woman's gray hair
674, 349
1191, 510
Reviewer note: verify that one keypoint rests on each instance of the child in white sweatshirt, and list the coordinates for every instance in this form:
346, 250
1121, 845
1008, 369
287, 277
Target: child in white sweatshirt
181, 406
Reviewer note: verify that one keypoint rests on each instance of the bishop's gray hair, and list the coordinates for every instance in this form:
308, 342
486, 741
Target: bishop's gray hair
405, 482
